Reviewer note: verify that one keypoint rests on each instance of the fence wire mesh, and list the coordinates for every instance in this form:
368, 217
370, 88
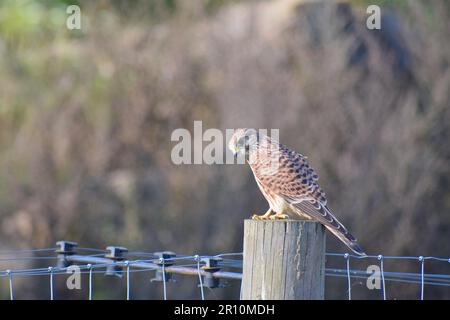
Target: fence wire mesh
209, 270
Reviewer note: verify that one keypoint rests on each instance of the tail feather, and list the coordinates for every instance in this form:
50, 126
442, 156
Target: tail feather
348, 240
323, 214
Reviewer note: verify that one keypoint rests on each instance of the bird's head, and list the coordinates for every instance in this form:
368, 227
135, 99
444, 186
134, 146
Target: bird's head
242, 141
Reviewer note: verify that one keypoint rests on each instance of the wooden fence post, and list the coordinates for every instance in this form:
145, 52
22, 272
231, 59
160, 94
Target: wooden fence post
283, 260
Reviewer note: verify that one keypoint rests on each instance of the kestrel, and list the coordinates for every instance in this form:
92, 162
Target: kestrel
288, 182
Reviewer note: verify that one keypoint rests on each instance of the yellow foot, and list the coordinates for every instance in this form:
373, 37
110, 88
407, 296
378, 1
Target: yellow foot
277, 216
265, 216
261, 217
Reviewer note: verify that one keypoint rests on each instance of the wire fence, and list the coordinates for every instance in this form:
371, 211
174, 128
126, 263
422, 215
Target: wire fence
210, 270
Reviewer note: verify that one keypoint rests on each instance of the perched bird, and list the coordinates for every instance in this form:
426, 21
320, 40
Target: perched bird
288, 183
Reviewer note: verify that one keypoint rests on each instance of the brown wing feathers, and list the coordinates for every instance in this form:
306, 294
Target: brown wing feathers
296, 182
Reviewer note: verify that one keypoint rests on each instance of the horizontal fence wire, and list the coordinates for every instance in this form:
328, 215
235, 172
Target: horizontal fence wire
221, 266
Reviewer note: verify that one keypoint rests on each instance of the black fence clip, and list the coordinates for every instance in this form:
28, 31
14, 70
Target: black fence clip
163, 258
116, 254
65, 248
212, 264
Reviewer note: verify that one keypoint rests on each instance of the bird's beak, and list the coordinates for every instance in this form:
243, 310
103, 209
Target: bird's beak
235, 153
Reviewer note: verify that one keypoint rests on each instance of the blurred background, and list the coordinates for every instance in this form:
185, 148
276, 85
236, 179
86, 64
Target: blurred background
86, 118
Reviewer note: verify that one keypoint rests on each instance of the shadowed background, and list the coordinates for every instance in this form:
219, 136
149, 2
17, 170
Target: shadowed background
86, 118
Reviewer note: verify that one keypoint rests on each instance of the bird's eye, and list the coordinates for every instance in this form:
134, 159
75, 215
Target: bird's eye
242, 141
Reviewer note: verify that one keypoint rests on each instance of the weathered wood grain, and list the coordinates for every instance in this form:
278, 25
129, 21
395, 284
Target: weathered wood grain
283, 259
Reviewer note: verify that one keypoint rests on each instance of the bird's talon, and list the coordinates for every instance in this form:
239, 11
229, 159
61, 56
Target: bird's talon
279, 217
260, 217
